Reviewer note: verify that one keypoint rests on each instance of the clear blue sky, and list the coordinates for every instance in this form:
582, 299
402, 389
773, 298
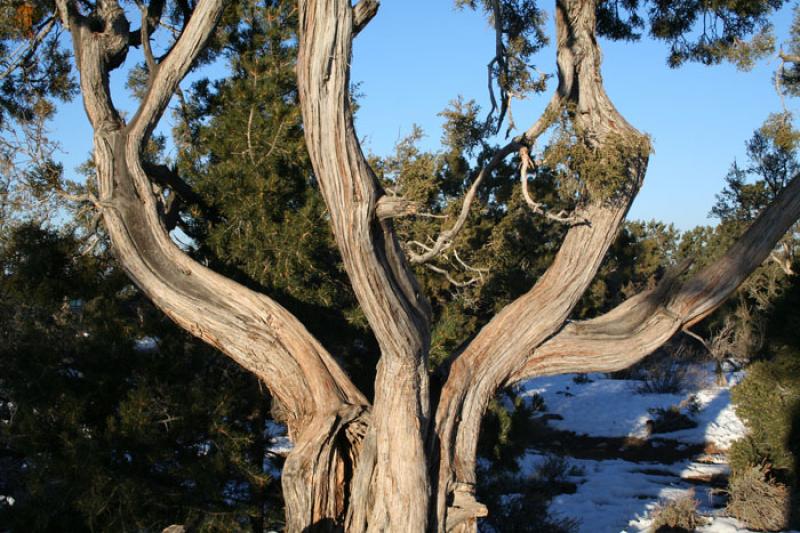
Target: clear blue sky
417, 55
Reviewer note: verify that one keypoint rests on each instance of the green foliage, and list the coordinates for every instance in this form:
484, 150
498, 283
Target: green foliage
262, 220
98, 435
519, 504
767, 400
586, 171
707, 32
710, 32
507, 427
35, 74
34, 68
772, 161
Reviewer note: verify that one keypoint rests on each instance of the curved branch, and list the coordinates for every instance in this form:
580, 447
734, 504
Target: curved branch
561, 217
321, 404
249, 327
174, 66
505, 342
644, 322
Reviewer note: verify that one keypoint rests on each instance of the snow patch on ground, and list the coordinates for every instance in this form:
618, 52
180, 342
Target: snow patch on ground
615, 495
613, 407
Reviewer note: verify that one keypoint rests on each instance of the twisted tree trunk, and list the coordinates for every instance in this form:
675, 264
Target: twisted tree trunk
393, 465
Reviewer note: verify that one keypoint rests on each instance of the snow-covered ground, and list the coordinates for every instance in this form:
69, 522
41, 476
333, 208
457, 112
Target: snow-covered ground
614, 408
616, 495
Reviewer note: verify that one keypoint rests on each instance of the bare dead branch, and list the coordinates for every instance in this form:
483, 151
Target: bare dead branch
698, 338
15, 59
445, 239
363, 13
395, 207
562, 216
248, 132
479, 271
785, 262
450, 278
87, 198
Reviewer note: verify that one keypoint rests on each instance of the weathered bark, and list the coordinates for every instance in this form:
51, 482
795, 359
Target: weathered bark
386, 290
319, 400
505, 341
388, 467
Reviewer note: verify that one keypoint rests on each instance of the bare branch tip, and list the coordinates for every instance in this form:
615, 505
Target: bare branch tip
363, 13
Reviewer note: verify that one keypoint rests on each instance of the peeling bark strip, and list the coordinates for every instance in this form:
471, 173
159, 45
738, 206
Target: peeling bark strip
390, 467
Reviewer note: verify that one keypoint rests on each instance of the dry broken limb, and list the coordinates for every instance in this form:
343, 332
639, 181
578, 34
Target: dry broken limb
562, 216
406, 460
445, 239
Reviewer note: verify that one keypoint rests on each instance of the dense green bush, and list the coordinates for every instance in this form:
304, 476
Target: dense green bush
519, 504
767, 401
98, 432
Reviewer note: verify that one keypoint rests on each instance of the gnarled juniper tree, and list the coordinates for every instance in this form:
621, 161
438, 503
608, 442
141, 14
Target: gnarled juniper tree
405, 460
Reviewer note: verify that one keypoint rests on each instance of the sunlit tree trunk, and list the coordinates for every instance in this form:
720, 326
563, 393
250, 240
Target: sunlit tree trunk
400, 463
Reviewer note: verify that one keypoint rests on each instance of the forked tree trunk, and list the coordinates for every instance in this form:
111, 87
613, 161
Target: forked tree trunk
400, 464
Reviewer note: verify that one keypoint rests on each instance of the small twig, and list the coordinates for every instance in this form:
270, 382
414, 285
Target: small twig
249, 129
16, 58
698, 338
445, 239
422, 246
562, 216
479, 271
274, 142
784, 263
82, 198
450, 278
